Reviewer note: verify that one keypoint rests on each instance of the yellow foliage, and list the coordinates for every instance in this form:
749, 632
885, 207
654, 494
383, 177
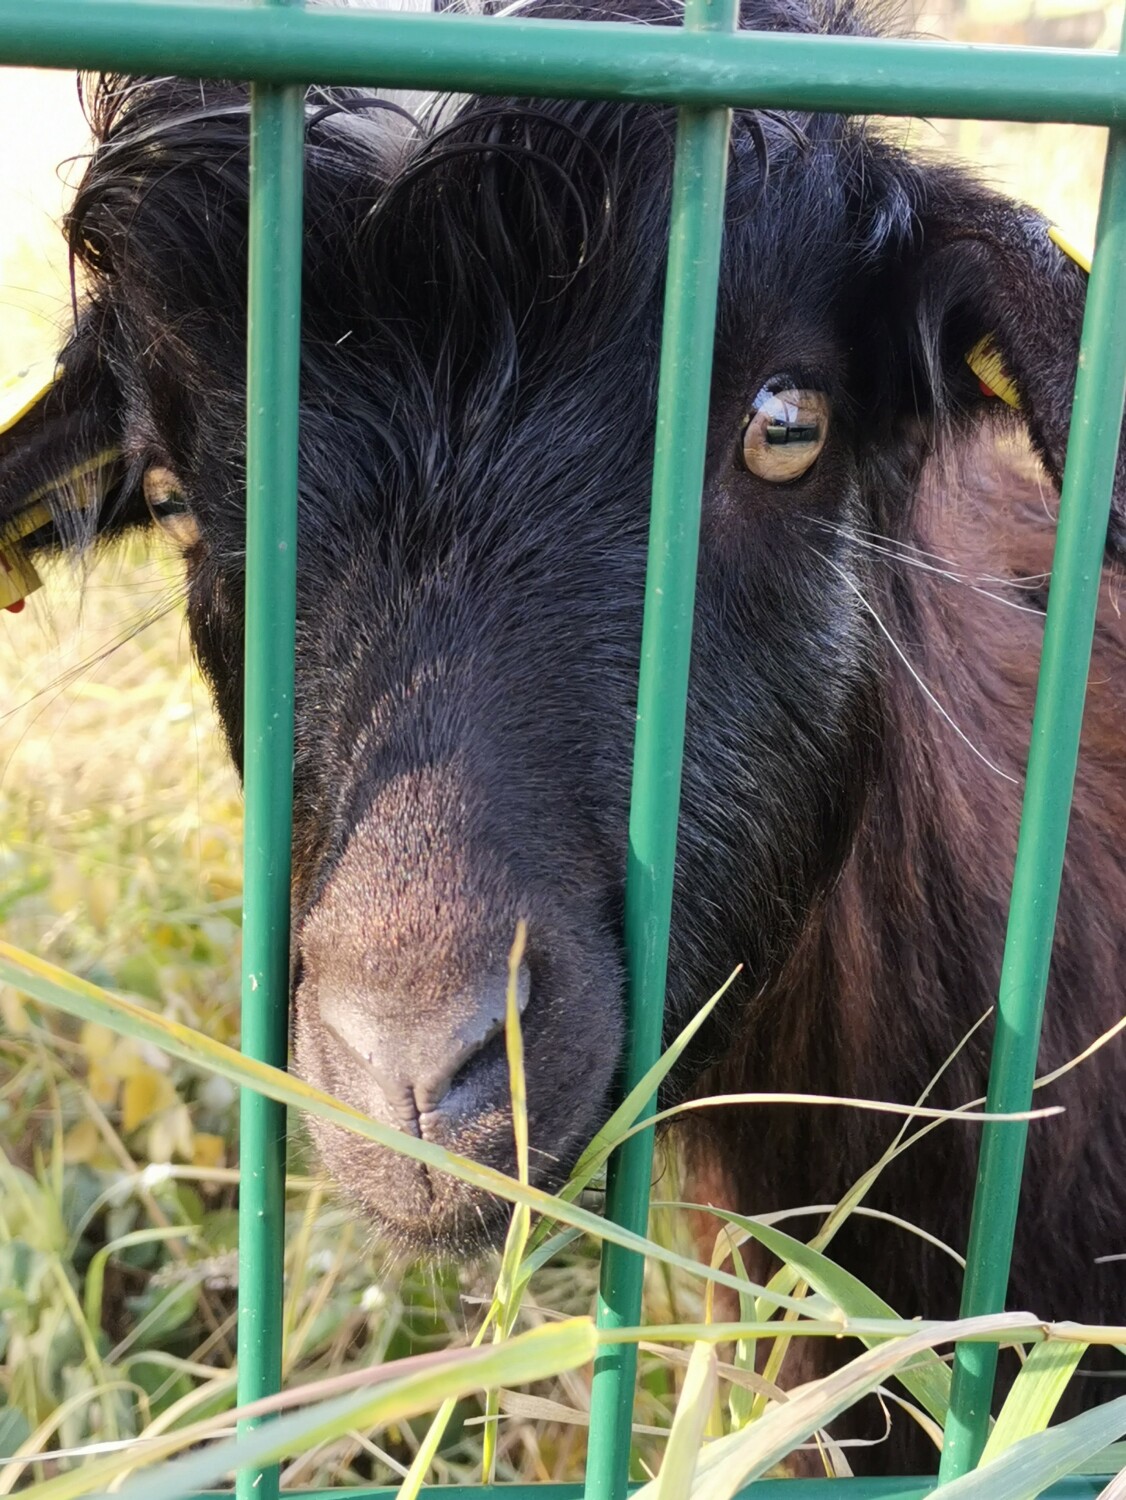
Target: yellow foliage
83, 1145
103, 1084
220, 884
102, 895
97, 1042
112, 1059
171, 1135
208, 1150
146, 1093
13, 1012
80, 1142
68, 889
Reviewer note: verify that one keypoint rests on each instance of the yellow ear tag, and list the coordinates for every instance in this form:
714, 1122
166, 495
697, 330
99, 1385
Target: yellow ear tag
984, 358
18, 578
1061, 242
18, 394
986, 363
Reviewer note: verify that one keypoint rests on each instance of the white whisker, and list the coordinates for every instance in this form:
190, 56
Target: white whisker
894, 644
973, 582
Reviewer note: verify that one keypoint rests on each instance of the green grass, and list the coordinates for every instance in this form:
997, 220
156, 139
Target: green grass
815, 1297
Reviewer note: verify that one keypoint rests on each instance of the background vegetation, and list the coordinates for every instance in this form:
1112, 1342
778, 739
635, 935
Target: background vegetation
119, 860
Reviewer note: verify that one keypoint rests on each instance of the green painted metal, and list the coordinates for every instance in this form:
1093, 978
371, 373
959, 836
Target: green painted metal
1078, 1488
704, 69
611, 61
273, 366
1100, 393
695, 242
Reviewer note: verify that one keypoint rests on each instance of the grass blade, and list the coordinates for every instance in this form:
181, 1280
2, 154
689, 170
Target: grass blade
686, 1436
928, 1380
428, 1448
734, 1461
1028, 1467
1107, 1460
620, 1123
536, 1355
741, 1401
1116, 1489
53, 986
509, 1284
1034, 1396
96, 1271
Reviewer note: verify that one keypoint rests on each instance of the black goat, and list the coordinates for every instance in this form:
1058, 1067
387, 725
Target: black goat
482, 303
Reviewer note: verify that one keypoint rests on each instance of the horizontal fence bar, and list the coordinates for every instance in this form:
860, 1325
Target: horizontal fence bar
570, 59
1082, 1487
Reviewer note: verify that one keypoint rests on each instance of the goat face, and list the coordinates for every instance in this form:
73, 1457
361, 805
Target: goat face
481, 323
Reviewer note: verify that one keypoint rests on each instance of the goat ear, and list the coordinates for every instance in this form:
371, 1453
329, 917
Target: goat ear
998, 297
63, 480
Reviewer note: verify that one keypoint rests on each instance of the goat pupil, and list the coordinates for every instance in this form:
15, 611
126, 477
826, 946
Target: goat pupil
797, 432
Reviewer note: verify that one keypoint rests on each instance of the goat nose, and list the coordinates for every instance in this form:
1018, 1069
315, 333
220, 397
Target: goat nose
416, 1057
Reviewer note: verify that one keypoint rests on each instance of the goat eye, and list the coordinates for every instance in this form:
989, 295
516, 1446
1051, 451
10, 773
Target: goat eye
169, 509
784, 433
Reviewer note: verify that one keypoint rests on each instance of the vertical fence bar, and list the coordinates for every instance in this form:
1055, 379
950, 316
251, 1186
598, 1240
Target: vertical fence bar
695, 242
273, 369
1100, 390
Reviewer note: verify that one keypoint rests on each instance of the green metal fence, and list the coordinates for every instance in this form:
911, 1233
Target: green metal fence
705, 68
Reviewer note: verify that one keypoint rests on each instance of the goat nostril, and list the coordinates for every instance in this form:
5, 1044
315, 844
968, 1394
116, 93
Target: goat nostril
402, 1102
429, 1092
416, 1065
